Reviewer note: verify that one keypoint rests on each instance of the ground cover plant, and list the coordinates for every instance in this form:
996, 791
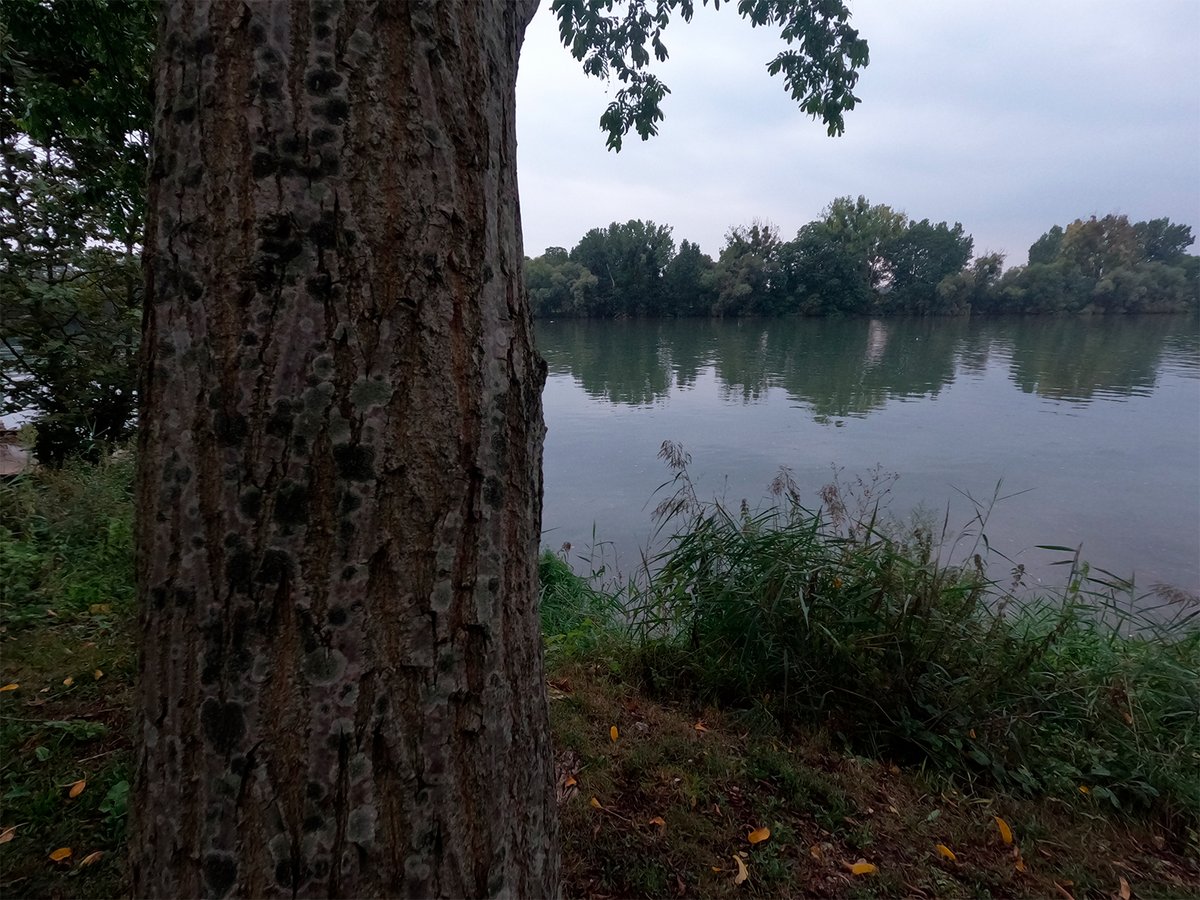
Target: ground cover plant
720, 726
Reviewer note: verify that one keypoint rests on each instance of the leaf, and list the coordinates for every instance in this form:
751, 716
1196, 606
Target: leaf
7, 834
700, 726
60, 854
758, 835
742, 872
1019, 863
815, 851
77, 788
1083, 789
98, 674
100, 608
946, 852
596, 803
1124, 892
93, 857
1006, 834
68, 681
570, 782
613, 734
659, 821
862, 867
11, 686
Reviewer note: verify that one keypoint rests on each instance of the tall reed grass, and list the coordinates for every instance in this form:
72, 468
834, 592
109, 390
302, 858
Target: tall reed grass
828, 617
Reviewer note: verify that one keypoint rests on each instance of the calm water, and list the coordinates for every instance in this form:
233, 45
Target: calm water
1093, 425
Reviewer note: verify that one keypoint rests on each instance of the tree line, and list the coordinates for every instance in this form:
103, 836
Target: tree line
864, 259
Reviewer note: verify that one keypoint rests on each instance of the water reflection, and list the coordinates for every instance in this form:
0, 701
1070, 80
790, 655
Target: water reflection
851, 368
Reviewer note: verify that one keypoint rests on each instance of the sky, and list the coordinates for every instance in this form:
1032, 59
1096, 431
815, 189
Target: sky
1008, 116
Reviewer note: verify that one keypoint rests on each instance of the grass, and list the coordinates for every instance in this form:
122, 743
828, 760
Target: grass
743, 678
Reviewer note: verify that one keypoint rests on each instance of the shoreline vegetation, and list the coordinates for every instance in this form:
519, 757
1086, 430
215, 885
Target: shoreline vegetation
794, 703
864, 259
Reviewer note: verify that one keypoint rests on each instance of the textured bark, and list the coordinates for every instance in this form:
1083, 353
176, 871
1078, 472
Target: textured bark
340, 488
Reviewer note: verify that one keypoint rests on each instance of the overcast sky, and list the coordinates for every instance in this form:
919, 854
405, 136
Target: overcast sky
1006, 116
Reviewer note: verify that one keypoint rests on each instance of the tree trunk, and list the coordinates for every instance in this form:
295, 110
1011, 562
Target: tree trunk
340, 488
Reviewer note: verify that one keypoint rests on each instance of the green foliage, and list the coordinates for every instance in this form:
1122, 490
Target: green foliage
66, 540
74, 116
576, 617
819, 67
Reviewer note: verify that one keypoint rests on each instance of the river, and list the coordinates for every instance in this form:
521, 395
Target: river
1090, 427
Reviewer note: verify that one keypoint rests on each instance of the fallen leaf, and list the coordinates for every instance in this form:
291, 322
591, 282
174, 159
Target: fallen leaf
1083, 789
815, 851
862, 867
1124, 892
100, 608
700, 726
1128, 717
1019, 864
659, 821
98, 674
596, 803
93, 857
60, 854
77, 788
612, 733
1006, 834
717, 869
742, 872
758, 835
12, 686
44, 691
570, 781
946, 852
7, 834
972, 733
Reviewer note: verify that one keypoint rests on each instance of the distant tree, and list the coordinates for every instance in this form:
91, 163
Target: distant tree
628, 261
1045, 249
974, 288
559, 287
1098, 246
864, 229
749, 274
827, 276
1160, 240
689, 287
919, 258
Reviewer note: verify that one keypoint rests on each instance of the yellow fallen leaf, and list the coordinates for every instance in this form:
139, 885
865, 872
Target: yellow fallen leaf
77, 788
1084, 789
1019, 864
12, 686
68, 681
612, 733
60, 854
972, 733
742, 872
93, 857
946, 852
659, 821
570, 782
758, 835
98, 674
716, 868
862, 867
1124, 891
596, 803
100, 608
7, 834
1006, 834
700, 726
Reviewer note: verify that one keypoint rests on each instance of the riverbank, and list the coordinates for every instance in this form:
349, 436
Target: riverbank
826, 685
